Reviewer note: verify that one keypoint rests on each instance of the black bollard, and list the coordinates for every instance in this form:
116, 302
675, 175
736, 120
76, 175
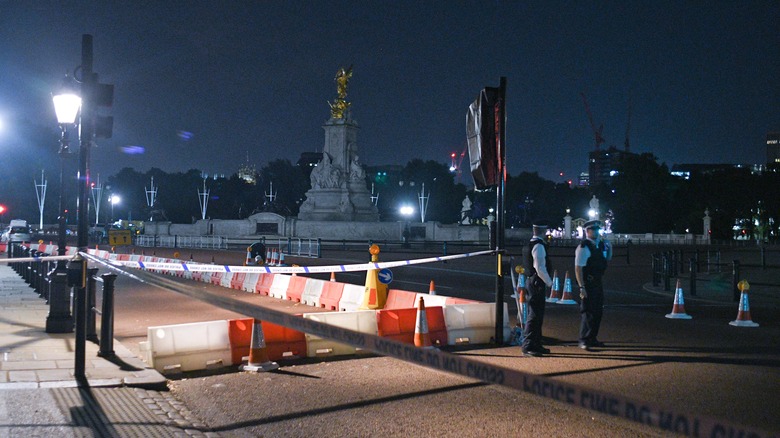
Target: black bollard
735, 279
107, 318
91, 305
59, 319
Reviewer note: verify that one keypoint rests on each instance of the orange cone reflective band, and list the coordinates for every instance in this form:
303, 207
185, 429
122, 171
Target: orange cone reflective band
555, 290
678, 310
567, 297
258, 356
421, 336
743, 315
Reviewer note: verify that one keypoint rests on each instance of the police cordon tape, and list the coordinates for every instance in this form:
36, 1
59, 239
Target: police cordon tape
36, 259
593, 400
200, 267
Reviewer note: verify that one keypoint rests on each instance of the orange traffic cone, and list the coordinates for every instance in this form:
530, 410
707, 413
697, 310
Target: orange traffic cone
432, 289
567, 297
555, 290
248, 260
258, 357
332, 276
421, 337
522, 309
281, 258
743, 315
678, 310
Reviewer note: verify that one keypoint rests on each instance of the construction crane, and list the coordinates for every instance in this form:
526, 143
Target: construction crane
455, 166
599, 139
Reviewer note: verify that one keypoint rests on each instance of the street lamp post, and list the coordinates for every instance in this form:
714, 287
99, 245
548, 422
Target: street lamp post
67, 104
114, 199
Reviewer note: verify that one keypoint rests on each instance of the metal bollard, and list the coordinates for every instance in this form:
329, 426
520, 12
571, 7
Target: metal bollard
107, 317
666, 267
319, 248
91, 309
656, 269
59, 319
692, 286
735, 279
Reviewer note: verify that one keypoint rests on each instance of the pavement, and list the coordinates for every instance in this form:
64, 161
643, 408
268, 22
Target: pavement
40, 396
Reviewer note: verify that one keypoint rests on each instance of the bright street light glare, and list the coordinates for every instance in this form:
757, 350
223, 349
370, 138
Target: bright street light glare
406, 210
115, 199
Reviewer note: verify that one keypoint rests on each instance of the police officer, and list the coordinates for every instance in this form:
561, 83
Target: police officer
590, 262
537, 265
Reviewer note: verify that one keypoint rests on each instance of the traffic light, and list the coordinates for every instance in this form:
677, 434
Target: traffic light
104, 97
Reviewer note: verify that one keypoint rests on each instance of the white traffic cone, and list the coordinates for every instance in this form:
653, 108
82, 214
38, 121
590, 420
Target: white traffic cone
421, 336
567, 297
248, 260
743, 315
258, 356
555, 290
678, 310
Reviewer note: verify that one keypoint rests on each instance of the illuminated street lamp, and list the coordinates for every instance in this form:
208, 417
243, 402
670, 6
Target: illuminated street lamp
114, 199
67, 104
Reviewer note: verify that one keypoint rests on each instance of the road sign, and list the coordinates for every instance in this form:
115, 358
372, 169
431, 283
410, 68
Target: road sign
385, 276
119, 237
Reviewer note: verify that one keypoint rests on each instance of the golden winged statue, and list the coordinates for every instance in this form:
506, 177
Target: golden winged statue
340, 105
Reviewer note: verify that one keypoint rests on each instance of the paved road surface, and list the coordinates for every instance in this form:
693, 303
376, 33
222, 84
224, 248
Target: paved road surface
702, 366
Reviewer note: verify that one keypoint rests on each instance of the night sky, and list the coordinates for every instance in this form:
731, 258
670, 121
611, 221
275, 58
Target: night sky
202, 84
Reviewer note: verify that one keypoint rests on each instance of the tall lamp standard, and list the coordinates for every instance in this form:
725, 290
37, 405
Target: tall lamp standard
67, 104
115, 199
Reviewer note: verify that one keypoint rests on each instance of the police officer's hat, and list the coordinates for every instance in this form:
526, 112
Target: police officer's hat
592, 224
541, 224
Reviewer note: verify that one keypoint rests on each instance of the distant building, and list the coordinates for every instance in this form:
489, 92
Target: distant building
685, 171
603, 165
773, 151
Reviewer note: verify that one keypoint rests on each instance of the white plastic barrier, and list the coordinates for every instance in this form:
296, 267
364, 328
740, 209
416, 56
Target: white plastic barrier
188, 347
473, 323
312, 292
279, 286
206, 277
363, 321
250, 281
431, 300
352, 297
227, 279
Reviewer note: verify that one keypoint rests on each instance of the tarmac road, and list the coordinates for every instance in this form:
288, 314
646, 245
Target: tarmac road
701, 366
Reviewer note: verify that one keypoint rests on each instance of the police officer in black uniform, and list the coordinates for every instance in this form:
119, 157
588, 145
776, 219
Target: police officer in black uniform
590, 262
537, 264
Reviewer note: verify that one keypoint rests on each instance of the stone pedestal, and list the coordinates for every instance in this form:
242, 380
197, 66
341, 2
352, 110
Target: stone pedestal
338, 182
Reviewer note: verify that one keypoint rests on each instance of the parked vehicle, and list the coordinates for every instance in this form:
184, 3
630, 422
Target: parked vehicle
17, 232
